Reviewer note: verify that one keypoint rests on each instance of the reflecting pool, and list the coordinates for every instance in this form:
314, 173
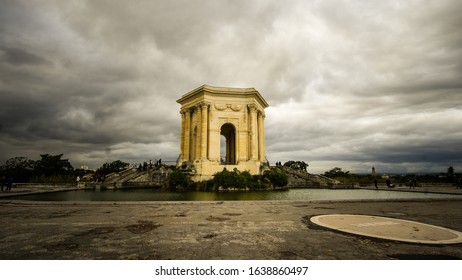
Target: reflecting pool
292, 194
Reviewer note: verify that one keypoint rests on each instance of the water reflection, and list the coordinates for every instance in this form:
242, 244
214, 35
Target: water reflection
293, 194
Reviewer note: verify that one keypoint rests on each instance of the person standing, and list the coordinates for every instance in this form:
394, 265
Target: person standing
3, 182
389, 183
9, 183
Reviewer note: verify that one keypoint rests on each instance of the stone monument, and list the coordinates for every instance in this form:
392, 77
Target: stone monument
222, 128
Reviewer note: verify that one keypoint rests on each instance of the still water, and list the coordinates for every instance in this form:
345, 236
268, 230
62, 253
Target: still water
293, 194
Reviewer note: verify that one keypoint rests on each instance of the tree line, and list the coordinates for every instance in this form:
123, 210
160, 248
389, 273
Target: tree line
346, 177
56, 169
52, 169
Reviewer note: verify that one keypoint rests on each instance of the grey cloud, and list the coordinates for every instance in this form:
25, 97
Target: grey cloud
17, 56
348, 82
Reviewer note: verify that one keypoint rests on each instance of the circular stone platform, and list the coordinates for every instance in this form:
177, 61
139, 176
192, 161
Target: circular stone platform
389, 228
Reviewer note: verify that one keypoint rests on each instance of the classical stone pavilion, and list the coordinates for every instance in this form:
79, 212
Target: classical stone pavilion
222, 128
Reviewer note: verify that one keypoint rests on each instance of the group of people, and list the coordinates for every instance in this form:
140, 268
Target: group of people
7, 182
388, 182
148, 166
412, 183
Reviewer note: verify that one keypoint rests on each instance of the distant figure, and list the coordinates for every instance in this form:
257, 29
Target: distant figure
459, 183
77, 180
376, 183
413, 184
389, 183
9, 183
3, 181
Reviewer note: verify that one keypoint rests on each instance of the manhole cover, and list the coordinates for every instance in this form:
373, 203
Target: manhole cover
389, 228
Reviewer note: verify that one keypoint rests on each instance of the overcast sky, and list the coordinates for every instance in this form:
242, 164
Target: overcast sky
350, 84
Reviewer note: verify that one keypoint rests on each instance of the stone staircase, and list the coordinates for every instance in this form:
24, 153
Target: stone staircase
122, 176
133, 178
303, 179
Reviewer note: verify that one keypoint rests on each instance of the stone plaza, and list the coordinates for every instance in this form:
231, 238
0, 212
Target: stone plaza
212, 230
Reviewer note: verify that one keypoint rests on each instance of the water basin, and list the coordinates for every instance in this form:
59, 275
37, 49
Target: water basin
293, 194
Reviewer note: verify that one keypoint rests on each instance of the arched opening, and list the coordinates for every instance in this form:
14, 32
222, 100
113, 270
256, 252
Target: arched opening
228, 144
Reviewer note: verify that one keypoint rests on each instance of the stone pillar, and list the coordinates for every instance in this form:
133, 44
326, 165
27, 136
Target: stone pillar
253, 132
204, 130
214, 136
182, 156
197, 112
186, 134
261, 136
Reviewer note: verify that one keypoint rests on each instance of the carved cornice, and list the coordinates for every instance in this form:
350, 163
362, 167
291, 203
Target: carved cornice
222, 91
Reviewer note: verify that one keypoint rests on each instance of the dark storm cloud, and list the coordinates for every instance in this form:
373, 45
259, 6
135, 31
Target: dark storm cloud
349, 83
18, 57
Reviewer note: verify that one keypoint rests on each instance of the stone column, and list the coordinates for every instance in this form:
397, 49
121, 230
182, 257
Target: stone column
261, 136
182, 137
213, 136
253, 132
204, 129
197, 112
186, 134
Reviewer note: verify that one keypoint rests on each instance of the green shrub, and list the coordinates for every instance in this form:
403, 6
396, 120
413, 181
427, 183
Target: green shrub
226, 179
179, 180
277, 177
245, 181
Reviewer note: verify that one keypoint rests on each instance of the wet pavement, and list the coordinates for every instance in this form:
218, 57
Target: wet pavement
255, 230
